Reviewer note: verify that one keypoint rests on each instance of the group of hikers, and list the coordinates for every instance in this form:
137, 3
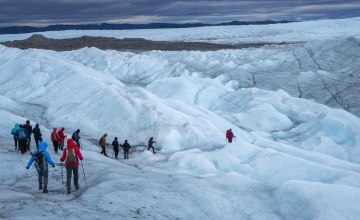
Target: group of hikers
126, 146
71, 154
22, 136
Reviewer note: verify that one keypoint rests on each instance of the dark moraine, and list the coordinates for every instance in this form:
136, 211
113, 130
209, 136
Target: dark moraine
110, 43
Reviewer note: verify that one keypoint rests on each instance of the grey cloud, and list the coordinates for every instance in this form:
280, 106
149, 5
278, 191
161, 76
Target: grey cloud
18, 12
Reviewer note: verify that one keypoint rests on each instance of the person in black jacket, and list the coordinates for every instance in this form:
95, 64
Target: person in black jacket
28, 127
150, 144
126, 147
115, 144
37, 135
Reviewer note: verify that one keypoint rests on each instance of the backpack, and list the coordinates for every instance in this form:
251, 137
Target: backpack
70, 156
228, 134
115, 143
40, 163
53, 136
73, 136
100, 141
22, 134
59, 134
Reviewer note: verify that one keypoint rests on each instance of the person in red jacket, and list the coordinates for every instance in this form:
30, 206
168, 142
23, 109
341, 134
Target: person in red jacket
55, 139
62, 138
71, 156
229, 135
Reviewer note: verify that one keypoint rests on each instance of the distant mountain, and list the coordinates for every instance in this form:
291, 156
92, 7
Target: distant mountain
105, 26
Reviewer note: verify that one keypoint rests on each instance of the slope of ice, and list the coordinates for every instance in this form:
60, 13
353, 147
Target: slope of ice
322, 71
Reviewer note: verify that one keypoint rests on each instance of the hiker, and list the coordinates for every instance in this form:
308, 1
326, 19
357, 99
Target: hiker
55, 139
71, 156
37, 135
229, 135
102, 144
41, 158
115, 144
126, 147
28, 127
77, 138
61, 138
150, 144
13, 132
22, 136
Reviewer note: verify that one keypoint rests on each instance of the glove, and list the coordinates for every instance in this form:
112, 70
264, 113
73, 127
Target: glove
27, 167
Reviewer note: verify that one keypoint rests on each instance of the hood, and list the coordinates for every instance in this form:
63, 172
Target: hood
42, 146
15, 128
62, 129
71, 143
54, 129
37, 125
105, 135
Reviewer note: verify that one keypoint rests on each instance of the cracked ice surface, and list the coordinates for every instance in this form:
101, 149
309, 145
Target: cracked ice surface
292, 158
322, 71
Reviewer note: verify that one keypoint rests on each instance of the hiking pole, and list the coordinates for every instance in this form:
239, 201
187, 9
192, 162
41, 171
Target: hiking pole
62, 175
83, 173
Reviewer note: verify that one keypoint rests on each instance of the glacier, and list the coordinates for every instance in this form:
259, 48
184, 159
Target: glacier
292, 108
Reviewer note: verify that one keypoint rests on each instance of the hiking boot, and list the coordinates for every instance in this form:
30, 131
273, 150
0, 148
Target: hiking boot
77, 187
68, 190
45, 190
40, 186
15, 148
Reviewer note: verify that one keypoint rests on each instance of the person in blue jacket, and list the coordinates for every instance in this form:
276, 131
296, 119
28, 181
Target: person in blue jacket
126, 147
22, 135
77, 138
43, 171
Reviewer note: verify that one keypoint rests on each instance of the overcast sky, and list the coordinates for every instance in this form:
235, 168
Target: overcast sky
47, 12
